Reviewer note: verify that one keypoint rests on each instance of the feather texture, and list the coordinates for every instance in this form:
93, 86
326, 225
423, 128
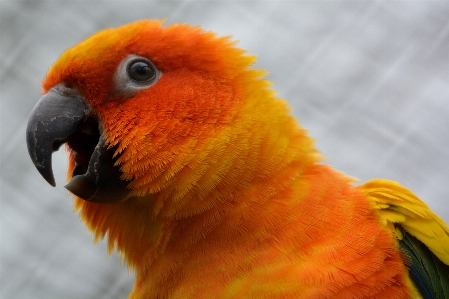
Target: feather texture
430, 275
228, 199
422, 235
398, 205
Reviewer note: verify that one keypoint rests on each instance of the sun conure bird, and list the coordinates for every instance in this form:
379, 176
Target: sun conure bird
203, 181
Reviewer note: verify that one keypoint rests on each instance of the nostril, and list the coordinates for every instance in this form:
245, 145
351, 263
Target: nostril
67, 89
69, 85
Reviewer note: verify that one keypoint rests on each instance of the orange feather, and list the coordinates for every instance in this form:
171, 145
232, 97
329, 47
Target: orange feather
229, 199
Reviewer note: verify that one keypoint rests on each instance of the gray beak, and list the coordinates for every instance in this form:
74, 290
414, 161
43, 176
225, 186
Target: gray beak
59, 118
51, 121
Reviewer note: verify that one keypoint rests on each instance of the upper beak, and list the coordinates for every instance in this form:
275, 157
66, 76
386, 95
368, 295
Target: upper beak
51, 121
60, 117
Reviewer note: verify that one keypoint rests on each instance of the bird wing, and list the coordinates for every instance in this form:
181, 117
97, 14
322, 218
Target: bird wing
422, 235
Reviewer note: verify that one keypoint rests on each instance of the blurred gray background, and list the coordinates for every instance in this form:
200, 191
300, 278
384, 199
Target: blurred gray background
368, 79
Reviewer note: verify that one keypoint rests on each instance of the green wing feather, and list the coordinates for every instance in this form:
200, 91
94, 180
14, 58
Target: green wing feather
429, 274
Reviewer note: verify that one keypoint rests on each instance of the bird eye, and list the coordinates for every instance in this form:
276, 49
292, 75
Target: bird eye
135, 73
141, 70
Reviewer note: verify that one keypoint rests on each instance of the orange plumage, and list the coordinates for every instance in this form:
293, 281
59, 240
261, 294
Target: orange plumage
228, 199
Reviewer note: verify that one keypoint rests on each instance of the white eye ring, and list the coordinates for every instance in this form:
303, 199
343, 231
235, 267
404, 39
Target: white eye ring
128, 86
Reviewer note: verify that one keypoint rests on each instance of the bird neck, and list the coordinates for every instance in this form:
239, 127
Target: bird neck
251, 162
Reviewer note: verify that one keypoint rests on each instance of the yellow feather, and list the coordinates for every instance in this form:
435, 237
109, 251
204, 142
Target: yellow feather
398, 205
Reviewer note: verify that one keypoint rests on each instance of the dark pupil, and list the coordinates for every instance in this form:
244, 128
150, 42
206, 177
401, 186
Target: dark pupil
140, 71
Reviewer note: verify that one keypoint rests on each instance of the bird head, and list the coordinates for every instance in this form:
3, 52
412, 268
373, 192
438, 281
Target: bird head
169, 111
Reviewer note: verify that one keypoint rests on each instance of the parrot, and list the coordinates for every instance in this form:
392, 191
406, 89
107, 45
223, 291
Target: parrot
183, 158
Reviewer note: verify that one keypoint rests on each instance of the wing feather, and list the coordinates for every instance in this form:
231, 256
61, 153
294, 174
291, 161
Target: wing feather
422, 235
